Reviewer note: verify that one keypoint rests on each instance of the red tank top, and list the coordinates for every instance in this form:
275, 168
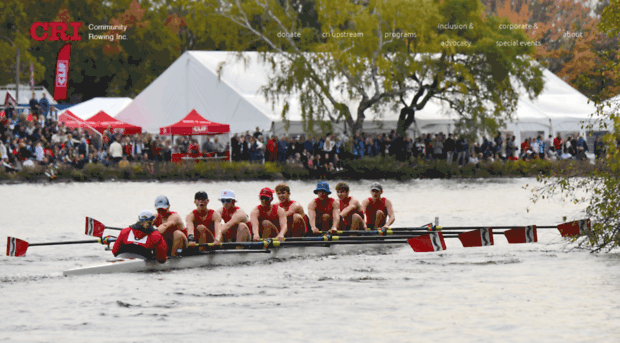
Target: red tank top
322, 208
286, 205
272, 215
208, 219
345, 203
159, 220
227, 216
372, 208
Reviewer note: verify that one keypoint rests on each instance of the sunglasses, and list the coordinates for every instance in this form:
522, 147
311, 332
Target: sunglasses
226, 201
265, 198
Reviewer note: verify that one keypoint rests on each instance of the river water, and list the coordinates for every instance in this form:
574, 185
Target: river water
543, 292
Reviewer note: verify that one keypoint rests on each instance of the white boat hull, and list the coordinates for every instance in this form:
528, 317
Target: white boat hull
225, 258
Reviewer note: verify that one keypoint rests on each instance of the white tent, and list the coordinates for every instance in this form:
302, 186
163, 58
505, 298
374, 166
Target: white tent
89, 108
25, 94
191, 82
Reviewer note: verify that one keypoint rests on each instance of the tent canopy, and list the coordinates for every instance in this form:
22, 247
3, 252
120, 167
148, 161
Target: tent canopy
192, 83
101, 121
71, 120
194, 124
87, 109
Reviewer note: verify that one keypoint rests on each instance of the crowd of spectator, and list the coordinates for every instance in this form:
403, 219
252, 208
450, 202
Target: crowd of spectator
38, 139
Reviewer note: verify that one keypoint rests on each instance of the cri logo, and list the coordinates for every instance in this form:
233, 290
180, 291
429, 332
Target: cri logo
57, 28
63, 69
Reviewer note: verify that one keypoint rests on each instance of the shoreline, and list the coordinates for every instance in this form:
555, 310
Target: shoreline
376, 168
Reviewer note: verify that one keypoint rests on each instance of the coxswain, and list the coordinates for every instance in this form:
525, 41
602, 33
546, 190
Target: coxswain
235, 227
351, 215
268, 220
295, 217
378, 210
142, 239
324, 212
170, 225
202, 223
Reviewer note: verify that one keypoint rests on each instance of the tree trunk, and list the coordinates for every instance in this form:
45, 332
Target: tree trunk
406, 118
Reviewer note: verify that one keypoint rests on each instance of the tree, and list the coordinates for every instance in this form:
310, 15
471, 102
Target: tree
599, 189
359, 60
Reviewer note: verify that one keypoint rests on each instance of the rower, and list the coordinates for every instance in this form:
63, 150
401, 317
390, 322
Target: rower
170, 225
202, 223
378, 210
268, 220
323, 212
295, 216
142, 239
235, 227
351, 215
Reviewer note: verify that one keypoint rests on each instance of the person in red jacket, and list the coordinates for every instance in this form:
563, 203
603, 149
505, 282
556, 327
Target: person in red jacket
142, 239
272, 148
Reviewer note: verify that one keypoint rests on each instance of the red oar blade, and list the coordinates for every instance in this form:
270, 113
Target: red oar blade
94, 227
428, 243
575, 228
526, 234
477, 238
16, 247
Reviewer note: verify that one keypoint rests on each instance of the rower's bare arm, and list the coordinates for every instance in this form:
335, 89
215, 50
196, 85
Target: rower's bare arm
217, 223
189, 219
336, 215
254, 221
298, 209
178, 222
283, 222
390, 210
364, 205
312, 216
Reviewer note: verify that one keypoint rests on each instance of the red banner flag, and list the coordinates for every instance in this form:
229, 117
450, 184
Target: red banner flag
8, 100
61, 84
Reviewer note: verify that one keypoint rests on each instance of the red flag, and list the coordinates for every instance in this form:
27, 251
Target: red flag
576, 228
477, 238
8, 100
526, 234
427, 243
61, 84
16, 247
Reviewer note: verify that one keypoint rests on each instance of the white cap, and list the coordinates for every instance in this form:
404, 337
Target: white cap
227, 194
146, 215
161, 202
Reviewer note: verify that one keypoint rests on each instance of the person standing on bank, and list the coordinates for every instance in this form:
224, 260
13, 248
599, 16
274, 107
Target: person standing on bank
378, 210
142, 239
170, 226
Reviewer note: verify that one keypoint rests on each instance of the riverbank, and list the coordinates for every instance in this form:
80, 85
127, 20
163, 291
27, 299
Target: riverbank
366, 168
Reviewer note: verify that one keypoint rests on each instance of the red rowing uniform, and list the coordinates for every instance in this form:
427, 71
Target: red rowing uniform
231, 234
132, 240
227, 216
322, 208
272, 215
159, 220
206, 220
286, 206
372, 208
344, 204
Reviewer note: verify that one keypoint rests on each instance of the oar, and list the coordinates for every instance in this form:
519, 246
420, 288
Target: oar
371, 239
269, 243
95, 228
18, 247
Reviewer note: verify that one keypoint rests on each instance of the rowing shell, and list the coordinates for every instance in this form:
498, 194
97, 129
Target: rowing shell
226, 258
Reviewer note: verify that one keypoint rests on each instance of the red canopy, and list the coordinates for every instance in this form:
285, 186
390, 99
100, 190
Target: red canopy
71, 120
102, 120
194, 124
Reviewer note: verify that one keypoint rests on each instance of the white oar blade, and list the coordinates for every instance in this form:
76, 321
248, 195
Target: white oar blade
16, 247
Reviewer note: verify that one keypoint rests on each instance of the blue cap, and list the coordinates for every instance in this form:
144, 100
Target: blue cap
146, 215
161, 202
322, 186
